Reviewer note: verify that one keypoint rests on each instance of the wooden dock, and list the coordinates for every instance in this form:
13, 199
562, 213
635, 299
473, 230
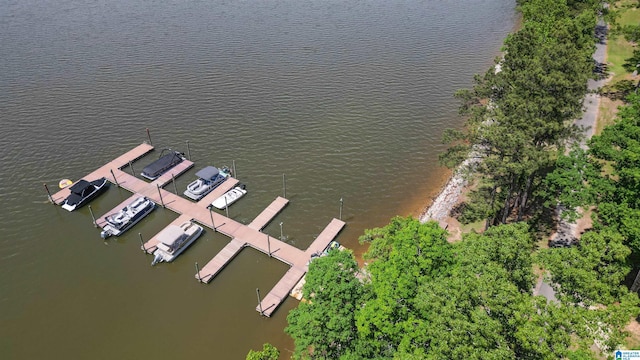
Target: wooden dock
116, 164
241, 235
213, 267
269, 213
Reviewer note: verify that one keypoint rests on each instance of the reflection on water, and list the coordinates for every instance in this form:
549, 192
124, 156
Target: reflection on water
348, 99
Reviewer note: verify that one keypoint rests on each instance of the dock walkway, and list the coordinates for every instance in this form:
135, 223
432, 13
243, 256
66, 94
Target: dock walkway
241, 235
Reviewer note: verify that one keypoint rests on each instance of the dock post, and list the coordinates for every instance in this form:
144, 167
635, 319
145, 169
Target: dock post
259, 301
95, 224
114, 178
149, 136
233, 165
284, 187
48, 194
341, 203
188, 150
226, 206
133, 173
142, 243
281, 234
198, 272
269, 245
160, 193
173, 178
211, 215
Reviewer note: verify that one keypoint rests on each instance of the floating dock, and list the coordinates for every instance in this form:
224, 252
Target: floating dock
241, 235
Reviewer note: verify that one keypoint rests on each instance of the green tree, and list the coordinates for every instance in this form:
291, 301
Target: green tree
521, 116
591, 272
323, 326
268, 352
403, 255
618, 201
567, 186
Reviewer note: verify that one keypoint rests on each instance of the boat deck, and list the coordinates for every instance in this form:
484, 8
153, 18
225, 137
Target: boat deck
241, 235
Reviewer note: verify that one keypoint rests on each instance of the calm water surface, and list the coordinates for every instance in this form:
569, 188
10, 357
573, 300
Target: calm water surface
347, 98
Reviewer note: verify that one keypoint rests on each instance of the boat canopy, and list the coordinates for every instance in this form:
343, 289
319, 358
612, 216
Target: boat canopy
208, 173
79, 186
161, 165
170, 235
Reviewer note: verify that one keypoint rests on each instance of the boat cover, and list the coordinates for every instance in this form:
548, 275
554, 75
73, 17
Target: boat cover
170, 235
161, 165
208, 173
78, 187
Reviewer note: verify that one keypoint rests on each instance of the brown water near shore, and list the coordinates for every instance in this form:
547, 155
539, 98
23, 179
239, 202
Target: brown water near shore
347, 98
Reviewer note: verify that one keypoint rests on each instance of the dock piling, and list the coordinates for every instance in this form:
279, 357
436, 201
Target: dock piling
173, 179
284, 187
133, 173
95, 224
259, 301
149, 136
142, 243
341, 203
48, 194
233, 166
269, 245
226, 205
188, 150
213, 225
281, 234
114, 178
160, 193
198, 272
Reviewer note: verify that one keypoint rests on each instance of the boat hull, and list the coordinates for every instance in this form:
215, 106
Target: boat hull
229, 198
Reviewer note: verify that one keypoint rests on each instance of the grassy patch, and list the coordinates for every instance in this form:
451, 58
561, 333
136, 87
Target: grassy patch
477, 226
618, 50
606, 113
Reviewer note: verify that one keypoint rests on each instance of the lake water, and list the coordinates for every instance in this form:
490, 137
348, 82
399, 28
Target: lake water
347, 98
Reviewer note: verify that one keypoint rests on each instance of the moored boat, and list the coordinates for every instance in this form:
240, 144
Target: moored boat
173, 240
124, 219
82, 192
229, 197
163, 164
209, 178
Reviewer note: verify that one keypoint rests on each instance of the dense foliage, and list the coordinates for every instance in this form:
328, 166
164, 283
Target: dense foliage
424, 298
520, 117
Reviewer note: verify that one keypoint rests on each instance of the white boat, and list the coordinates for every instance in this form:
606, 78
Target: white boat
175, 239
124, 219
209, 178
229, 197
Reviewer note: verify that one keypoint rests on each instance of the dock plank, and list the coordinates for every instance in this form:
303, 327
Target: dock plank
269, 213
280, 291
104, 171
325, 237
213, 267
